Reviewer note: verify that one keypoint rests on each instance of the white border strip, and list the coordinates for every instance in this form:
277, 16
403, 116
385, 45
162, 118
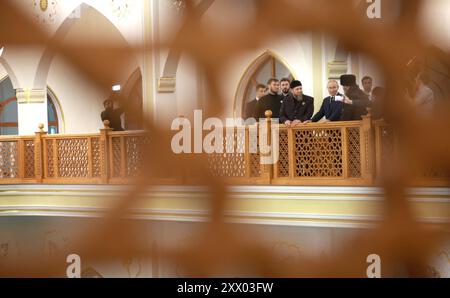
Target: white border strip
433, 191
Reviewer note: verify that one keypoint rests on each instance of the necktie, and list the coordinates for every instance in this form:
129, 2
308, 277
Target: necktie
332, 98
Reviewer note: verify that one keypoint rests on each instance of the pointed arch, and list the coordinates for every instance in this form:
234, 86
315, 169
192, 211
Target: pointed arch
11, 75
42, 72
132, 91
247, 79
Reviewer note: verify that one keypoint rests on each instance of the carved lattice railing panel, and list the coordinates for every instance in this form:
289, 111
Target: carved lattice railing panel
9, 159
231, 162
353, 152
255, 167
134, 146
318, 152
96, 157
49, 149
126, 154
283, 162
29, 158
116, 156
73, 159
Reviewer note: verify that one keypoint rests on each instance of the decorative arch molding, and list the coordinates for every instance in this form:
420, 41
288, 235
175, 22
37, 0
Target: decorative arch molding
41, 76
131, 82
10, 73
249, 71
167, 82
40, 79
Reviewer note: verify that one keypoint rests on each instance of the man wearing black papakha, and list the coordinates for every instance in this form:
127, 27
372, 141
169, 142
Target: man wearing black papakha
356, 101
296, 107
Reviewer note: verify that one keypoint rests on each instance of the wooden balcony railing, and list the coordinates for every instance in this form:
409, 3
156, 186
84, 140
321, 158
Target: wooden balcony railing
332, 153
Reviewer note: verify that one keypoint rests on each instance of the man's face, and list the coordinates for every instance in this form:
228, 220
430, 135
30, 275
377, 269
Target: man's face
297, 91
108, 104
285, 87
260, 92
274, 87
367, 85
346, 88
332, 88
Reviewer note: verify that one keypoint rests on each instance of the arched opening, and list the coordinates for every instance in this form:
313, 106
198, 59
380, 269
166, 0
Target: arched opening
132, 91
266, 66
8, 108
9, 124
54, 113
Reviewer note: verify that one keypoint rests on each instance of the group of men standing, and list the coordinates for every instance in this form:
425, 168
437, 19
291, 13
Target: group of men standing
293, 107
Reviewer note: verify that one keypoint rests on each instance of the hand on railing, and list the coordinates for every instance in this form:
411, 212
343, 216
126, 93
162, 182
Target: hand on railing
106, 124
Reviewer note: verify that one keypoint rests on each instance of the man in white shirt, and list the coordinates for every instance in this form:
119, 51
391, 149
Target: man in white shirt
367, 84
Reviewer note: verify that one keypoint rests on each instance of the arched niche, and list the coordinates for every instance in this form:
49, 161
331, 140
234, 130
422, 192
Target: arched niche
261, 69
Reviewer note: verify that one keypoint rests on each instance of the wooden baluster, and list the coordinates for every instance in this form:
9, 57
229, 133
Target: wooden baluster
39, 159
123, 158
291, 152
247, 153
367, 150
345, 151
90, 159
378, 153
21, 158
104, 152
267, 169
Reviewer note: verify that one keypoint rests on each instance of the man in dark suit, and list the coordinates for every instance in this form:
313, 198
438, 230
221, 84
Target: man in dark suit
112, 115
271, 101
297, 107
331, 107
251, 105
356, 101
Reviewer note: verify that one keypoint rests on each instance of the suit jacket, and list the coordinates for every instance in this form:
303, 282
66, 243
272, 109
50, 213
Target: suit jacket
250, 109
331, 110
294, 109
358, 108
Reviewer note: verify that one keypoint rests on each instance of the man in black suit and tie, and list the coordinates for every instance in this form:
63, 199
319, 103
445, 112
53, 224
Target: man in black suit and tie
251, 105
331, 107
296, 107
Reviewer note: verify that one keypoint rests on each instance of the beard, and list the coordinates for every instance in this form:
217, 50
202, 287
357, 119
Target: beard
285, 90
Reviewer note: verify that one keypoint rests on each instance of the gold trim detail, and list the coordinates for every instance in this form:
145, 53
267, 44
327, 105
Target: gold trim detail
166, 84
25, 96
336, 69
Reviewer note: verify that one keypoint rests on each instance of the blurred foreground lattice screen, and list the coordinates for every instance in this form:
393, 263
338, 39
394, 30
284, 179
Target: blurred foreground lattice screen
172, 189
